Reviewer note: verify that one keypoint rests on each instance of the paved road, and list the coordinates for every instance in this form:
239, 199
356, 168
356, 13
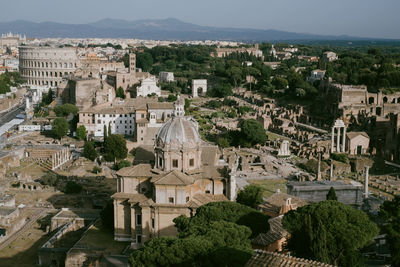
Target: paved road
14, 236
8, 116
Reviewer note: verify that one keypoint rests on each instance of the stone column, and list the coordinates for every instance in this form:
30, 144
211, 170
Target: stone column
232, 187
344, 140
338, 141
331, 174
366, 181
333, 139
319, 166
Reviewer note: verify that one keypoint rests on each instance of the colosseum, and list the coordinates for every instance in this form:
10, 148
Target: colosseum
45, 65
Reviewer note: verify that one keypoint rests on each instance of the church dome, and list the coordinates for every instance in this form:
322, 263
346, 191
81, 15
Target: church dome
181, 131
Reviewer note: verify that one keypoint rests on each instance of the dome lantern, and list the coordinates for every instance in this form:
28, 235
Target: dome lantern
179, 107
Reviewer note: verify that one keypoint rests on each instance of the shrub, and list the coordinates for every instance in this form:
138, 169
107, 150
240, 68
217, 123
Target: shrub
96, 170
340, 157
49, 178
122, 164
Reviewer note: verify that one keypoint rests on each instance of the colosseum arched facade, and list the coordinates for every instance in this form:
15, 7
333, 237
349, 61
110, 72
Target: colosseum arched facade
46, 66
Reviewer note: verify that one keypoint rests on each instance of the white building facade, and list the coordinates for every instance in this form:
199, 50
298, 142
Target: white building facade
120, 121
148, 87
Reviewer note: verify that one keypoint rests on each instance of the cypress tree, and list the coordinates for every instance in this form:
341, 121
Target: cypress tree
105, 132
331, 194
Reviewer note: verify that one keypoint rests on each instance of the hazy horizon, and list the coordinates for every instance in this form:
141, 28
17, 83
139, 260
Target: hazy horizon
358, 18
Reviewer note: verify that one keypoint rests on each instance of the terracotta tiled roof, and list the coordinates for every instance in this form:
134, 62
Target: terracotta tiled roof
275, 233
201, 199
134, 198
263, 258
173, 178
275, 202
141, 170
160, 105
212, 172
352, 135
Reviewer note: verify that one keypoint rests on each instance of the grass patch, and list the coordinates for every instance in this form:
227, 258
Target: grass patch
273, 136
271, 186
99, 237
23, 251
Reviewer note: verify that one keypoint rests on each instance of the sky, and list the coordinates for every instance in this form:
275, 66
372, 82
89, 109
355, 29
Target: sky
361, 18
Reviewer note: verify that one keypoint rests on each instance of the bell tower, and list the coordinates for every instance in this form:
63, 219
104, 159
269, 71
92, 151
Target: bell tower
132, 64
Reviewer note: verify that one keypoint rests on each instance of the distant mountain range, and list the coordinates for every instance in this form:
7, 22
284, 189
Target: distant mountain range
163, 29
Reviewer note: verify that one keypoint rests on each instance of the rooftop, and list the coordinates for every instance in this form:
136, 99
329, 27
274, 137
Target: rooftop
275, 202
173, 178
141, 170
324, 184
272, 259
90, 214
352, 135
275, 233
5, 211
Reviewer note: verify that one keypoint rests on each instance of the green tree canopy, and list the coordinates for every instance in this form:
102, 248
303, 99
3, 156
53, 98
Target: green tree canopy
172, 98
223, 142
218, 243
115, 147
60, 127
65, 109
250, 196
390, 211
253, 131
81, 132
245, 109
224, 211
330, 232
89, 151
144, 60
279, 83
187, 103
120, 93
221, 90
235, 74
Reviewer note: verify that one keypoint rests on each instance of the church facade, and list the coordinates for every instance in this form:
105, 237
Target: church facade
187, 174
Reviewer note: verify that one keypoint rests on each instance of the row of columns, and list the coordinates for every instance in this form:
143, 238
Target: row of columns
59, 158
340, 147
